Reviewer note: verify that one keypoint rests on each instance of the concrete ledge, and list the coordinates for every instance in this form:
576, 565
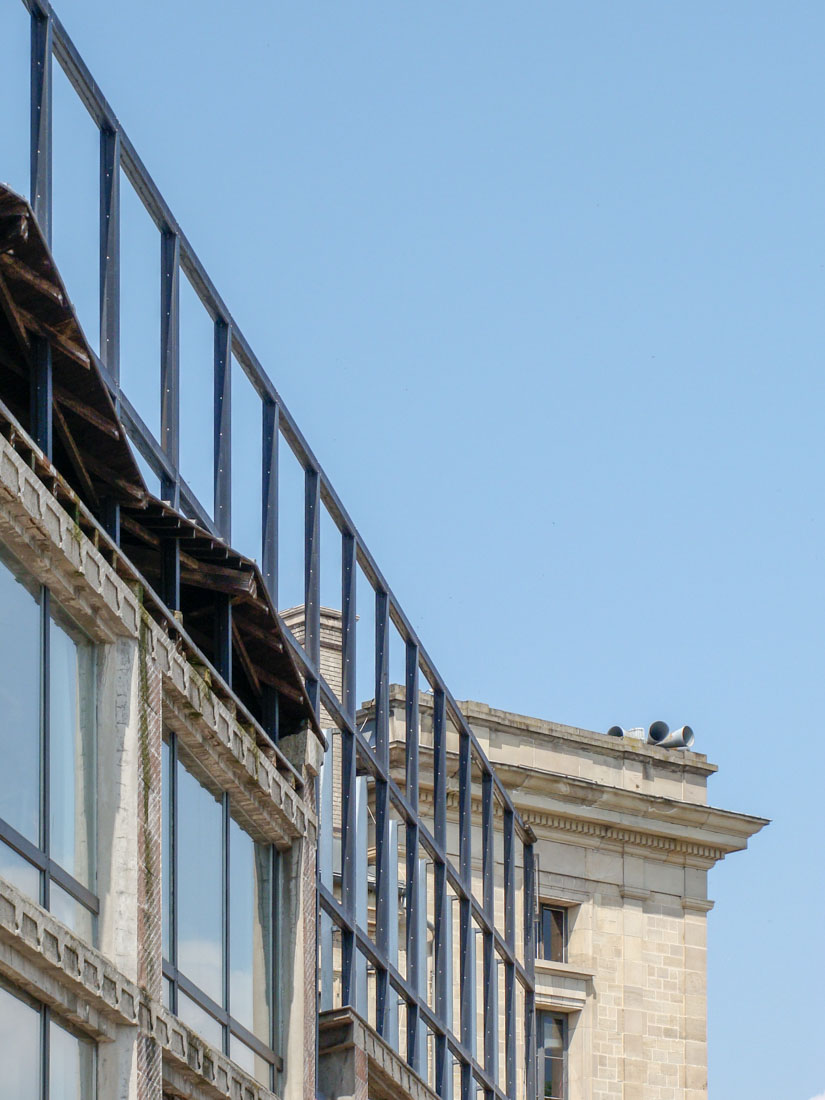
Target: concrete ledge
354, 1062
192, 1068
562, 987
42, 956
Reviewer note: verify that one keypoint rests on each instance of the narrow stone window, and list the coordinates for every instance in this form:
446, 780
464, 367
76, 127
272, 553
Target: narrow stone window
552, 1055
48, 748
218, 918
552, 938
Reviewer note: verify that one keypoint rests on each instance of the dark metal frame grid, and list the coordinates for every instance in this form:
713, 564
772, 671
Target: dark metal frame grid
49, 39
177, 979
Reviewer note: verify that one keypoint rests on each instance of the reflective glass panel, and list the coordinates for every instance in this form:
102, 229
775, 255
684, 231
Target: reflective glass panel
19, 1048
248, 1060
72, 762
200, 885
19, 872
250, 930
200, 1021
72, 913
71, 1066
20, 648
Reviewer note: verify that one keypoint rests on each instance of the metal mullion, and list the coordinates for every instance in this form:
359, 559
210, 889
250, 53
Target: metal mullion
73, 887
170, 362
348, 763
173, 869
490, 991
382, 820
443, 910
45, 1067
466, 937
222, 440
41, 122
312, 578
510, 937
414, 1047
22, 845
530, 960
110, 250
225, 914
269, 498
45, 738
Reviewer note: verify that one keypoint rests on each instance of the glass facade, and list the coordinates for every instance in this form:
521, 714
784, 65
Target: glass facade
42, 1059
218, 927
48, 750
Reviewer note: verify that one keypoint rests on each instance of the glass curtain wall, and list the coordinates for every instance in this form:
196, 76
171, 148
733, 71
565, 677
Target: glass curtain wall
48, 776
218, 926
41, 1058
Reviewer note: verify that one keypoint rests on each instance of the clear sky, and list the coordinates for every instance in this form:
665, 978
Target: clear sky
543, 284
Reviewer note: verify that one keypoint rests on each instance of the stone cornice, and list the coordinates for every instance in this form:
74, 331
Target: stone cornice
587, 812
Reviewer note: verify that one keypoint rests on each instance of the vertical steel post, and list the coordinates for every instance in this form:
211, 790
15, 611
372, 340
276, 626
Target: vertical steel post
420, 1059
414, 974
490, 976
41, 122
222, 439
312, 577
170, 362
349, 839
391, 1035
442, 946
325, 875
466, 928
361, 909
269, 498
382, 809
110, 251
530, 966
510, 939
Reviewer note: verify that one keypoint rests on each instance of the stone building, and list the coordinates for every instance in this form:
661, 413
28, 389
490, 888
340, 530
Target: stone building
624, 842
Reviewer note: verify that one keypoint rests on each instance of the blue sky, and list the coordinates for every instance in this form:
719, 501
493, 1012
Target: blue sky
543, 285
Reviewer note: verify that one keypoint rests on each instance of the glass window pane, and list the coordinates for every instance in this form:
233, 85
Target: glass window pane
72, 764
19, 872
250, 929
19, 1047
199, 891
72, 913
249, 1061
71, 1066
20, 647
200, 1021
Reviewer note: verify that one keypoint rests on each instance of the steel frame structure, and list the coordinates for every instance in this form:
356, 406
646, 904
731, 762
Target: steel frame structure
49, 40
